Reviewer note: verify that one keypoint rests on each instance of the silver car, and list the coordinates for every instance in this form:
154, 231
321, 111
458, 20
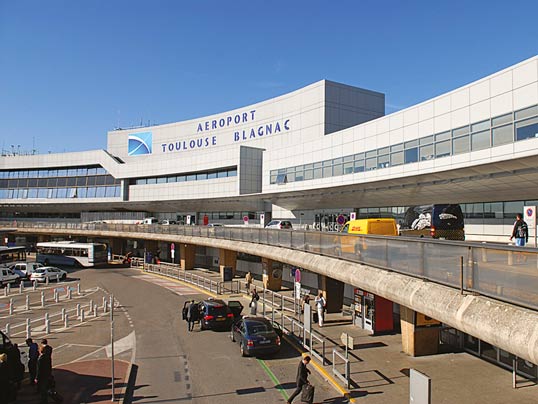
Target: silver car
52, 273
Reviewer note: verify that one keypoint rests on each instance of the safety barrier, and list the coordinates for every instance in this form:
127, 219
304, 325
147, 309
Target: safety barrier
346, 375
502, 272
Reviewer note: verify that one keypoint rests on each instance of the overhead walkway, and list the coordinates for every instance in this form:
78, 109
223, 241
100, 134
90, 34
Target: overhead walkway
488, 291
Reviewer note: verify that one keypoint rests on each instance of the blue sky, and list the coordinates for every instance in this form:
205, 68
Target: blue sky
72, 70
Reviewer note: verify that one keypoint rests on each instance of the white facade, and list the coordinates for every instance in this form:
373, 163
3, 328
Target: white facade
302, 151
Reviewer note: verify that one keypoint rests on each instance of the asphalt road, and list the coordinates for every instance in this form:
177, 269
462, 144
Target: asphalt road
174, 365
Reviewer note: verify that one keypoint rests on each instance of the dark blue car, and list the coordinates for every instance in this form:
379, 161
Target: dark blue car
255, 336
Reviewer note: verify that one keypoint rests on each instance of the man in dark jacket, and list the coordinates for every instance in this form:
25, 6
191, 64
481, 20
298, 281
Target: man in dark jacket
192, 314
302, 377
33, 355
44, 372
520, 231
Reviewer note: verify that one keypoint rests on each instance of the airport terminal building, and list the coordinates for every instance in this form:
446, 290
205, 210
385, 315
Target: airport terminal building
309, 156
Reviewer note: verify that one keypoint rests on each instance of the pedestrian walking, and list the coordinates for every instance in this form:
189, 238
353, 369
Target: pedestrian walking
520, 231
302, 377
248, 281
44, 372
33, 354
192, 314
254, 302
321, 304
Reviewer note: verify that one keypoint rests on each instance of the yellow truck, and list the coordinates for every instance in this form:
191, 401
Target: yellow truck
381, 226
353, 244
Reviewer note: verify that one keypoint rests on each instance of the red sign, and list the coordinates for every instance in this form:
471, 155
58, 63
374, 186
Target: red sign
297, 275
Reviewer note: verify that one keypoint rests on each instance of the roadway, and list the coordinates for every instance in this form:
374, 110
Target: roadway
171, 364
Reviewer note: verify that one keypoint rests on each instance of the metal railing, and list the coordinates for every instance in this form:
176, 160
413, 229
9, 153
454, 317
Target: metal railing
506, 273
346, 375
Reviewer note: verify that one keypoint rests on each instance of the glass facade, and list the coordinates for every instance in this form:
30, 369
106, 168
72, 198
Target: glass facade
59, 183
504, 129
196, 176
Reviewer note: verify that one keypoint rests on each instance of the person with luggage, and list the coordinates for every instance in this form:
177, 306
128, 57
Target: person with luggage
254, 302
302, 379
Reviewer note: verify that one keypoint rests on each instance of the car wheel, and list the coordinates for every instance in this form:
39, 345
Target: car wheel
232, 336
242, 349
64, 277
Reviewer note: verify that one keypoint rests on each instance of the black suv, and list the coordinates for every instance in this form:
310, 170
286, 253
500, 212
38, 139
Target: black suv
215, 315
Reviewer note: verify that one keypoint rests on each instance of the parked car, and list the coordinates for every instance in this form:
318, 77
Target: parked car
24, 269
52, 273
215, 225
7, 276
255, 336
279, 224
167, 222
215, 315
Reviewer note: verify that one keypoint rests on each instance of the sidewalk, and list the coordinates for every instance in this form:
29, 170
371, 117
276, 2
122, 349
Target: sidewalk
83, 382
379, 370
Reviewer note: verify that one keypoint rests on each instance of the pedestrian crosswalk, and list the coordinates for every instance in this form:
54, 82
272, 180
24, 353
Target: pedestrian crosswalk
172, 286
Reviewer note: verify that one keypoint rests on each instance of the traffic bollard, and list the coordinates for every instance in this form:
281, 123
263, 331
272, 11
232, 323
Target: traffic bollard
46, 316
95, 311
5, 290
57, 278
78, 288
63, 313
7, 329
42, 299
69, 294
35, 285
10, 307
78, 310
46, 280
105, 308
66, 321
8, 287
28, 329
91, 306
47, 326
27, 302
82, 316
104, 300
67, 291
21, 287
56, 296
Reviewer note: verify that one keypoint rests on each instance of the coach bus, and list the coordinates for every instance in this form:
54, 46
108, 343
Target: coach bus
11, 254
71, 253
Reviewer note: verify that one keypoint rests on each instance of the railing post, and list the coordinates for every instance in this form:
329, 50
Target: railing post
461, 275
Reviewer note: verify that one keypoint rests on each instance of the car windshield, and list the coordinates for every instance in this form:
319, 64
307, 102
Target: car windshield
258, 327
273, 223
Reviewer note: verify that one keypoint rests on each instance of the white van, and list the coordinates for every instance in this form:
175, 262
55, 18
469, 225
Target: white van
24, 269
7, 276
150, 220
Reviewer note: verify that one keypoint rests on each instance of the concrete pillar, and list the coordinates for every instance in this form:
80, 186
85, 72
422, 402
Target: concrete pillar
272, 274
227, 258
118, 245
333, 291
420, 337
187, 254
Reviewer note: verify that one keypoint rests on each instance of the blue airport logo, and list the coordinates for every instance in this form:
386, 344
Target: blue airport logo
140, 143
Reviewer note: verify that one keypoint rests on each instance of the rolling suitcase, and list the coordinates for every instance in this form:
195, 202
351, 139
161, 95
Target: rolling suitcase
307, 393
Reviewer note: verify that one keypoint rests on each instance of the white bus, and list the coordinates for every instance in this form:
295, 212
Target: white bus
71, 253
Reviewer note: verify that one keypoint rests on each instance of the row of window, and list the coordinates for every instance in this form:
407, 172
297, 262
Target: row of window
60, 193
59, 182
504, 129
54, 172
227, 215
478, 210
198, 176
